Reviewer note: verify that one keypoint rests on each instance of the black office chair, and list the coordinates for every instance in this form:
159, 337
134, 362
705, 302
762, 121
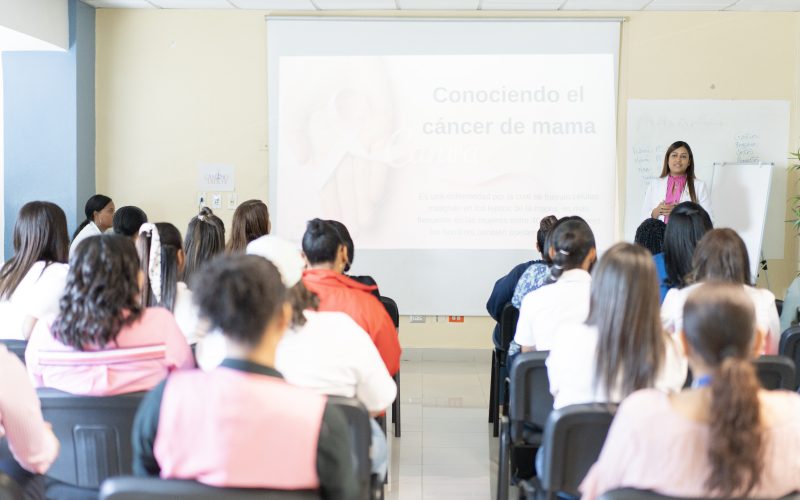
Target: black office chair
634, 494
776, 372
360, 439
16, 347
153, 488
530, 404
9, 489
391, 308
790, 347
95, 435
573, 438
508, 326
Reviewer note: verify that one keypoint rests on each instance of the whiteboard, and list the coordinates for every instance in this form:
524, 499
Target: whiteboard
739, 195
718, 131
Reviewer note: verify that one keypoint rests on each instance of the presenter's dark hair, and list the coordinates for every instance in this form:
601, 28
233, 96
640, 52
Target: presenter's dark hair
624, 307
170, 247
250, 221
94, 204
688, 222
128, 220
650, 235
347, 241
571, 241
721, 255
102, 293
240, 295
719, 325
545, 225
40, 233
205, 239
321, 241
689, 171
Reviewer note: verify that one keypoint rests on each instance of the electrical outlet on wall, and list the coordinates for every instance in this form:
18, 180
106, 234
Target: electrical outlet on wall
232, 201
216, 200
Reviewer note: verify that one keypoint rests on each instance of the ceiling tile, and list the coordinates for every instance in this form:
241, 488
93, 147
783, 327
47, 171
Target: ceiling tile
120, 4
438, 4
689, 4
605, 4
763, 5
274, 4
521, 4
355, 4
192, 4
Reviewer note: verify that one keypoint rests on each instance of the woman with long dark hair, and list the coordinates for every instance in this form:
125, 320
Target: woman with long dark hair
622, 346
676, 183
103, 341
723, 437
162, 260
250, 221
99, 211
205, 239
32, 281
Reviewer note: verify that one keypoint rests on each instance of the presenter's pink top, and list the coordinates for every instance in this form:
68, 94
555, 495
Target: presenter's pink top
142, 355
675, 186
258, 431
650, 446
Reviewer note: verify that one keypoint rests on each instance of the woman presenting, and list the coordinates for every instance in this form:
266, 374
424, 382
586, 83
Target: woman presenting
677, 183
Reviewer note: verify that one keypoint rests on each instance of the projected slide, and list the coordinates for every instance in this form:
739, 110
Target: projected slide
445, 151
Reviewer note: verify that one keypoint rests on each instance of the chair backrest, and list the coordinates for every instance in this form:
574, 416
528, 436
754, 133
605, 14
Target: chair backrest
9, 489
776, 372
790, 347
17, 347
530, 400
573, 438
153, 488
360, 438
508, 324
391, 308
779, 306
95, 435
634, 494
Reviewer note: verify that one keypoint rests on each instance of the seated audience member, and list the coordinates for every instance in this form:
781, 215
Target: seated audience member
30, 439
103, 342
688, 222
721, 256
32, 281
326, 254
536, 274
327, 351
161, 260
205, 239
791, 303
650, 235
566, 301
250, 221
505, 288
128, 220
241, 425
351, 255
723, 437
622, 346
99, 210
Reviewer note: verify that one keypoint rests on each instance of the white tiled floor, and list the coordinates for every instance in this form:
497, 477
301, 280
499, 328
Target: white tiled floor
446, 449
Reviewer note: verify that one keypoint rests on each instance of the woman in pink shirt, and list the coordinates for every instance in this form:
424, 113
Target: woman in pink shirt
723, 437
103, 342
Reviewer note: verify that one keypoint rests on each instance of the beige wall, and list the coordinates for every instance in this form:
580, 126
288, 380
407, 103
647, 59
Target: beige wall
179, 88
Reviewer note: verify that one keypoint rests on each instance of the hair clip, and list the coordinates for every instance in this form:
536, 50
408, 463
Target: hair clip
563, 252
201, 217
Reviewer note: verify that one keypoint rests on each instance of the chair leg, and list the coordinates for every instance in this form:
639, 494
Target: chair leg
492, 395
496, 403
503, 473
396, 407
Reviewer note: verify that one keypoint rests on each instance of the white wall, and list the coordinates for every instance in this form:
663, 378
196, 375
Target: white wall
34, 25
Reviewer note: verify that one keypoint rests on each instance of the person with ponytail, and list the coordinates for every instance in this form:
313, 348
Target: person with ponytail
99, 211
721, 256
621, 347
32, 281
161, 260
677, 183
250, 221
725, 436
205, 238
103, 341
572, 251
